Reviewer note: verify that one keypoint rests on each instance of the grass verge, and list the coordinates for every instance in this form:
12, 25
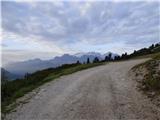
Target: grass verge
147, 56
151, 75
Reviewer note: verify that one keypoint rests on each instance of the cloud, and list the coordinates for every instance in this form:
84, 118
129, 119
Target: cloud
59, 26
15, 41
9, 56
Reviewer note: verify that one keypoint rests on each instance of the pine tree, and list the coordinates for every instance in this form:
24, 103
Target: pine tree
78, 62
110, 56
106, 58
96, 60
152, 46
88, 61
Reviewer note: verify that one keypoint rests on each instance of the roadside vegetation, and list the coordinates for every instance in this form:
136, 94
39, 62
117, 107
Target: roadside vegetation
148, 76
152, 78
11, 90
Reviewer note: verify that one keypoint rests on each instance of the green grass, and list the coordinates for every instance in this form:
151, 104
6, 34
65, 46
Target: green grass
71, 70
156, 56
13, 90
152, 79
147, 56
153, 57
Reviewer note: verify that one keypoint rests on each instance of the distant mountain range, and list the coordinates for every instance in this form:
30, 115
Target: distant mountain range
29, 66
8, 75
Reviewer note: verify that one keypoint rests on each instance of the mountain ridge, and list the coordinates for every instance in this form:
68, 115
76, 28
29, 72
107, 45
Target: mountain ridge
33, 65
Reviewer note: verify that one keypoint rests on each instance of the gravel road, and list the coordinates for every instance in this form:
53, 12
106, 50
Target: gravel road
101, 93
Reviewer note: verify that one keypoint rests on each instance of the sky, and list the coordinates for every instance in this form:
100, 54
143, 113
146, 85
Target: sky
48, 29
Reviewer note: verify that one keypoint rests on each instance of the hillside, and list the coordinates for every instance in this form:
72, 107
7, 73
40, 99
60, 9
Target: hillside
153, 49
6, 75
147, 75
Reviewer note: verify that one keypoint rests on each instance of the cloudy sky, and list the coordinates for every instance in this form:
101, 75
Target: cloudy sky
46, 29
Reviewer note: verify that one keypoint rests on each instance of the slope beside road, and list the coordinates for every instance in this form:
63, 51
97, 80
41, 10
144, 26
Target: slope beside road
100, 93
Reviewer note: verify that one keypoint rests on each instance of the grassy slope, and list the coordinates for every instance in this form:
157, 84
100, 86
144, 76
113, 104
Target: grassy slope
151, 79
20, 87
71, 70
147, 56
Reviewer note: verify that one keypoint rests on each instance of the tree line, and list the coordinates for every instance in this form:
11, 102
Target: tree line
154, 48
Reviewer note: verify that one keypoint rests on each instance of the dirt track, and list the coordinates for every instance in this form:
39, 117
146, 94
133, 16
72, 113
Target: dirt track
101, 93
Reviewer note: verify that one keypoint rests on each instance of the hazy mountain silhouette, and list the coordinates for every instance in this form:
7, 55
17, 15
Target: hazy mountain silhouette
33, 65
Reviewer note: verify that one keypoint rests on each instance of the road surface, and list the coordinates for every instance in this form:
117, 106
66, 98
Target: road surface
101, 93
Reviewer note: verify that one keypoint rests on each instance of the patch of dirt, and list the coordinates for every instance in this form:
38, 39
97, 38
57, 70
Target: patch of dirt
140, 74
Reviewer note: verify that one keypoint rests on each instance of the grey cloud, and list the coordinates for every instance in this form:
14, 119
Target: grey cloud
103, 22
